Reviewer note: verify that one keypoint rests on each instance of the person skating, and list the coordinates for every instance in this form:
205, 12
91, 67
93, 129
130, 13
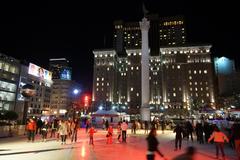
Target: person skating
124, 128
63, 131
189, 130
91, 133
44, 130
119, 130
74, 130
153, 145
109, 135
179, 135
199, 132
219, 138
236, 137
31, 129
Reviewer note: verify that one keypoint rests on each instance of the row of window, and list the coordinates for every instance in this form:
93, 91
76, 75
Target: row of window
9, 67
186, 51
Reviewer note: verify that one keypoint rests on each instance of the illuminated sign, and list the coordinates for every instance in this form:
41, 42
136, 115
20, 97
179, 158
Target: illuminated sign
39, 72
65, 74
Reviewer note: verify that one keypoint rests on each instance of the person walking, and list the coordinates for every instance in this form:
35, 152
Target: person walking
63, 131
179, 135
188, 155
106, 124
91, 133
236, 137
124, 128
31, 129
109, 135
219, 138
53, 126
153, 145
44, 131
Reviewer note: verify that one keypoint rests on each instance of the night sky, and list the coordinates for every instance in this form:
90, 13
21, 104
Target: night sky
38, 31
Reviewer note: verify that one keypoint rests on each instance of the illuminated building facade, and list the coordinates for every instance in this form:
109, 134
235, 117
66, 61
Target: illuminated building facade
177, 76
166, 31
9, 79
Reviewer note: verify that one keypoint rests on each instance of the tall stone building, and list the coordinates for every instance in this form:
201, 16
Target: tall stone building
178, 76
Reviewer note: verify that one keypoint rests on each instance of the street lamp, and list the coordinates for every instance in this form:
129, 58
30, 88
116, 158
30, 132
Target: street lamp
75, 93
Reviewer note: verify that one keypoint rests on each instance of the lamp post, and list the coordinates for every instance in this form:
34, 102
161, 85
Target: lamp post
75, 93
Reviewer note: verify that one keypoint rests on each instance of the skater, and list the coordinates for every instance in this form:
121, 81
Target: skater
91, 133
124, 128
109, 135
153, 145
44, 131
179, 135
74, 130
119, 131
146, 127
236, 137
189, 130
134, 127
31, 129
63, 131
219, 138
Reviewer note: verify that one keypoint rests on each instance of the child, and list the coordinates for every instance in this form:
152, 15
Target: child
109, 135
91, 132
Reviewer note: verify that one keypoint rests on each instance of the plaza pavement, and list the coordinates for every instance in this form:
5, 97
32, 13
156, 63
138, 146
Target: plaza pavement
17, 148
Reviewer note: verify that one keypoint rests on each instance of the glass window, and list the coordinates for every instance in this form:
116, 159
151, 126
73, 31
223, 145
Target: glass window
174, 94
131, 88
6, 67
205, 71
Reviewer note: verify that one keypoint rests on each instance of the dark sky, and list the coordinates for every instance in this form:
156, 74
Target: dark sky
38, 31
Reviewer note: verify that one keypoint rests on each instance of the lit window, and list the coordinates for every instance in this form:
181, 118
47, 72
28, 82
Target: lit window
196, 94
97, 84
95, 56
206, 83
134, 54
108, 68
131, 68
202, 101
201, 89
179, 88
174, 94
190, 77
97, 79
196, 89
207, 88
136, 68
190, 89
174, 89
195, 71
195, 83
102, 79
107, 84
205, 71
97, 89
121, 74
168, 100
196, 51
189, 71
190, 83
137, 94
102, 89
102, 84
178, 67
150, 78
105, 55
131, 89
207, 94
200, 71
181, 51
172, 66
100, 55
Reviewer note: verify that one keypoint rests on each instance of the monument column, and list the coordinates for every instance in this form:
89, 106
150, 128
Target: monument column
145, 110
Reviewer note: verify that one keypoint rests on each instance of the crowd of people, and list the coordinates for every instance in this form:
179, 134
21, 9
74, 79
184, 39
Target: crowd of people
204, 132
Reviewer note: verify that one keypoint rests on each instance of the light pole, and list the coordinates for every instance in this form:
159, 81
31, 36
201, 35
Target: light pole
75, 93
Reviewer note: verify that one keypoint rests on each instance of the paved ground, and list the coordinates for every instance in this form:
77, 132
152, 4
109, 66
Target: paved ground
135, 148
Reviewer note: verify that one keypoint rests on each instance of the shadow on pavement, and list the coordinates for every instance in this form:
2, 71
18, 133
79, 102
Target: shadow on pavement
35, 151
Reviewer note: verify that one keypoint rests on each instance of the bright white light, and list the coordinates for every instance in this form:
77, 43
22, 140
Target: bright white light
100, 108
75, 91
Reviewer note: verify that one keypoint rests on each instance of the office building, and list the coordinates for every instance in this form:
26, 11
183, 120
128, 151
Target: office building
9, 79
166, 31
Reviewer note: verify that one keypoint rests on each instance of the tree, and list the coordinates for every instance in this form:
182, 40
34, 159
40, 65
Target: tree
10, 116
